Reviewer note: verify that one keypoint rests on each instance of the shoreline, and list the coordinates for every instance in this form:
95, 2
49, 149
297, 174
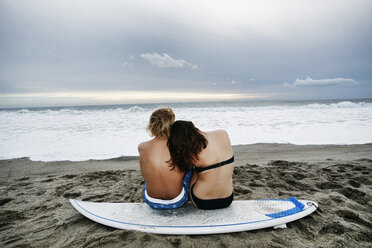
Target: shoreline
260, 154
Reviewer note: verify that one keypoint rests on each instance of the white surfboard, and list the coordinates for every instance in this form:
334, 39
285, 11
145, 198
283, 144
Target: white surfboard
239, 216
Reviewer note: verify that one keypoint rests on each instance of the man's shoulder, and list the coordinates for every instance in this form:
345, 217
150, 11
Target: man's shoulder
144, 146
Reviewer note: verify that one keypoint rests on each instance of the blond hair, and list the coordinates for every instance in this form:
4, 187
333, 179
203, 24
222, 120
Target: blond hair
160, 122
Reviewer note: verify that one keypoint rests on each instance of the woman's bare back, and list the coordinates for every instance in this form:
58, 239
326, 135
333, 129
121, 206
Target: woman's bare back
217, 182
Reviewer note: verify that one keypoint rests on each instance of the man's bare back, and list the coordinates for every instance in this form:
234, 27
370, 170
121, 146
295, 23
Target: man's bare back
161, 181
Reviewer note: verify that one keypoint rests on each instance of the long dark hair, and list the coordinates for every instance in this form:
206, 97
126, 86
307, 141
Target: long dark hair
185, 143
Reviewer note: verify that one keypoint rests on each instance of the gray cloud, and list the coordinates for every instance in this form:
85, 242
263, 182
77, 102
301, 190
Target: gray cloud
83, 45
320, 82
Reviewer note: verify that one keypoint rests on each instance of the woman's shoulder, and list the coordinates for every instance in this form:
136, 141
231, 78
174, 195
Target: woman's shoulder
218, 133
219, 136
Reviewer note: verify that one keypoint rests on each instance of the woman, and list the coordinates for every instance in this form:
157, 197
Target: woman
164, 188
211, 156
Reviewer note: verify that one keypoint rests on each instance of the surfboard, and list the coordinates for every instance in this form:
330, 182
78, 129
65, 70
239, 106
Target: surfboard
241, 215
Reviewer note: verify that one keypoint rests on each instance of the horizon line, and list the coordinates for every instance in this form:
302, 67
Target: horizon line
176, 102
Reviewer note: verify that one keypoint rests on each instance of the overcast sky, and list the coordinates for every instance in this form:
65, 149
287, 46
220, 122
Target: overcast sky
113, 51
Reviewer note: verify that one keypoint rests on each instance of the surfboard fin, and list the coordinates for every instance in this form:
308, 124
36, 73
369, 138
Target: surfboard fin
280, 226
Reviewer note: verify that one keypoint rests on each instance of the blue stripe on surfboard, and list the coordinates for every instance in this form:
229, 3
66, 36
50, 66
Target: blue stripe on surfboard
144, 225
298, 208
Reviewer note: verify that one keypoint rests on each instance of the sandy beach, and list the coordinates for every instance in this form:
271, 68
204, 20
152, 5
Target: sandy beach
35, 211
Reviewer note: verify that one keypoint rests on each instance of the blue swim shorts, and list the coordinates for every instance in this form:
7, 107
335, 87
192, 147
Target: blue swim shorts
173, 203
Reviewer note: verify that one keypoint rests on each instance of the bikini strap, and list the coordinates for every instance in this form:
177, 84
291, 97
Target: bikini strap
200, 169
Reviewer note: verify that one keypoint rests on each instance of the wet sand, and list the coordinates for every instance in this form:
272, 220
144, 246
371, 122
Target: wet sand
35, 211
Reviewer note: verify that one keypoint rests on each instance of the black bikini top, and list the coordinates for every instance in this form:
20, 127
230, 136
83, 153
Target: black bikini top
200, 169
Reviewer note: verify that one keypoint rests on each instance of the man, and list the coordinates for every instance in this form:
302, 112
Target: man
165, 188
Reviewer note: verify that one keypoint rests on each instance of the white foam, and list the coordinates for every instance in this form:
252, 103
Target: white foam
70, 134
344, 104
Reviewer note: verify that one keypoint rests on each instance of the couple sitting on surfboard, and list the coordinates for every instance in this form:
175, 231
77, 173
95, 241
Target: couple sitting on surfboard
182, 161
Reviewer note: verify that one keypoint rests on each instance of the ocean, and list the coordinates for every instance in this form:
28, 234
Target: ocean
101, 132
